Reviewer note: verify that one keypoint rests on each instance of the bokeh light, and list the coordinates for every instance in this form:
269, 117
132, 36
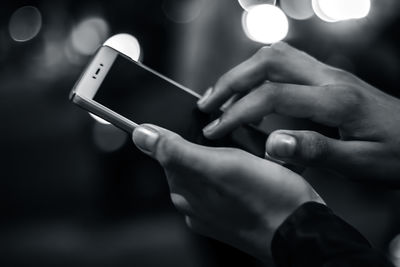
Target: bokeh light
98, 119
183, 11
265, 24
247, 4
88, 35
339, 10
108, 138
297, 9
394, 251
126, 44
25, 24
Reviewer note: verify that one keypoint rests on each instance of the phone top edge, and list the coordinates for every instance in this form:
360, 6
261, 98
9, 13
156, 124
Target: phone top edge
89, 82
180, 86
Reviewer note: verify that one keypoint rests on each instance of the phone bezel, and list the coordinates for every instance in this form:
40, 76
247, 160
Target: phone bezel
91, 79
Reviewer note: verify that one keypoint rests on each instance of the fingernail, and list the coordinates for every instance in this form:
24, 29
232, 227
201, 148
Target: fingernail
229, 103
212, 126
277, 161
145, 139
206, 95
284, 145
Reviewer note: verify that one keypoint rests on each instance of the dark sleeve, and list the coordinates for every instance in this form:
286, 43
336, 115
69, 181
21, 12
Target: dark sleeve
314, 236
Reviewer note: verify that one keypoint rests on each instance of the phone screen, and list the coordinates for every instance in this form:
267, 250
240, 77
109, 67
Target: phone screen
144, 97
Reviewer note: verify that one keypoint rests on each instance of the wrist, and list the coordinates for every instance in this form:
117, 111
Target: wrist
285, 212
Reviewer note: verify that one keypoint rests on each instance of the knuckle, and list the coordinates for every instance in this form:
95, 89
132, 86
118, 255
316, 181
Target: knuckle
280, 47
336, 73
225, 79
226, 82
264, 51
272, 57
232, 118
265, 54
353, 96
338, 76
272, 93
344, 101
350, 97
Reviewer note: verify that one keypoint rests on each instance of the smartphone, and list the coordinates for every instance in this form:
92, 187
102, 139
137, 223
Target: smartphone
127, 93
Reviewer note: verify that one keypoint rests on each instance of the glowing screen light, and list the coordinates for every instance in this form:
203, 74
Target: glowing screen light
339, 10
394, 251
265, 24
25, 24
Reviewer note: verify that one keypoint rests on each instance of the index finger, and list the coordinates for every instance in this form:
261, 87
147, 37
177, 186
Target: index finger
277, 63
321, 104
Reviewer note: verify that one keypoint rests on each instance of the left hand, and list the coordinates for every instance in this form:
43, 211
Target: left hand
226, 194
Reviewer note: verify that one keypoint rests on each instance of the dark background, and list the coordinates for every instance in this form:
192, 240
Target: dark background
74, 192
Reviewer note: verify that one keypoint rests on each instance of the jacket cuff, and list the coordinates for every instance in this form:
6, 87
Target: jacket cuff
312, 235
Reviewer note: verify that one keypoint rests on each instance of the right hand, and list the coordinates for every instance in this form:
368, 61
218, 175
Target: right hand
280, 79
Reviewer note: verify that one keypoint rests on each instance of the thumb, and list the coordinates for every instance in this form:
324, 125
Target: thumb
304, 147
355, 158
146, 138
161, 144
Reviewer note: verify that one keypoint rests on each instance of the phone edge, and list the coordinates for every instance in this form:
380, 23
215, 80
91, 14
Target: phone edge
103, 112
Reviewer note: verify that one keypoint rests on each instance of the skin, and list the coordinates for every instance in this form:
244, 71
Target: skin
226, 194
239, 199
281, 79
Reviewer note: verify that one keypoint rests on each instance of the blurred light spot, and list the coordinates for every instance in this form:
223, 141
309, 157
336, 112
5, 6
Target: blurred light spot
88, 35
25, 23
339, 10
108, 138
247, 4
183, 11
265, 24
297, 9
98, 119
126, 44
72, 56
49, 61
394, 251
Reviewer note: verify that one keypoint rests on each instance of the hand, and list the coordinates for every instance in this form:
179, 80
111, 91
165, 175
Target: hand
226, 194
280, 79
